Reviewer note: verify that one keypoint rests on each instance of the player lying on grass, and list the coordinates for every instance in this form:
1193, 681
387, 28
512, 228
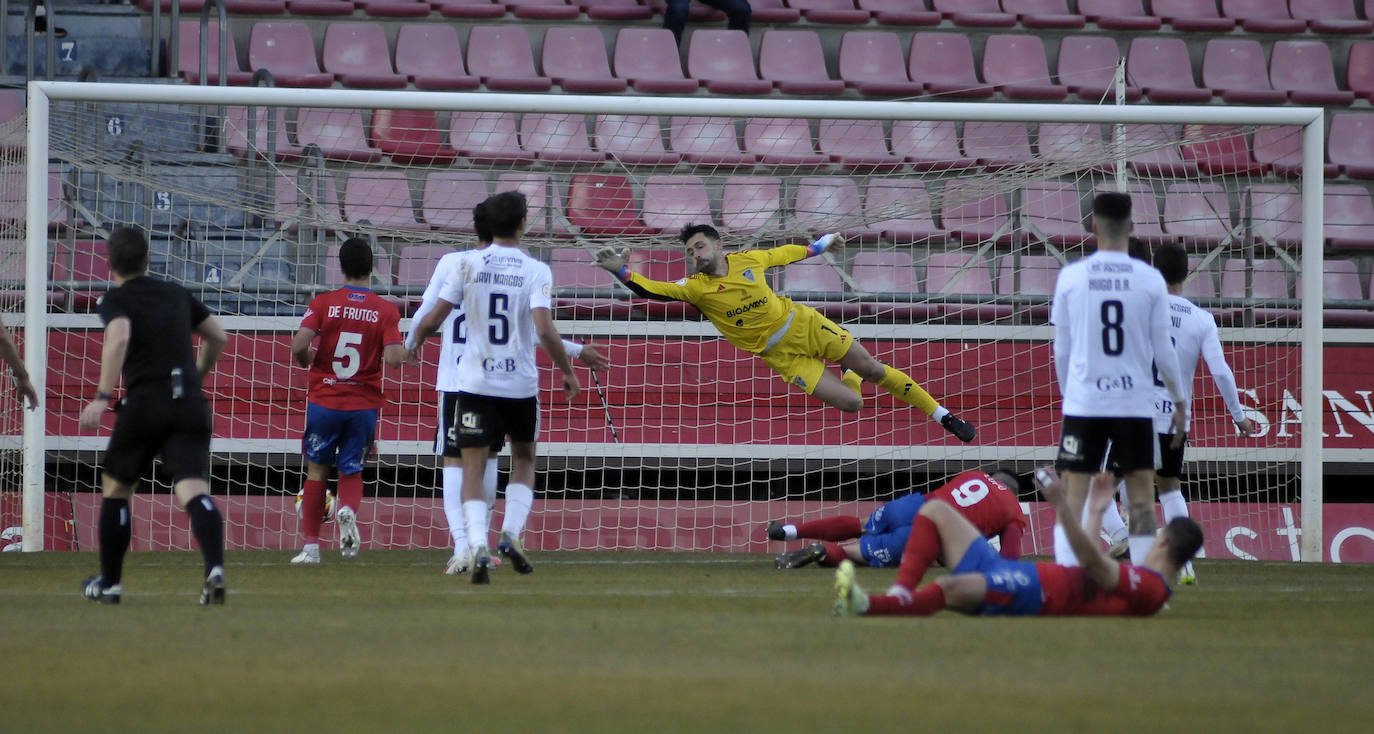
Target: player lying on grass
986, 499
793, 339
983, 583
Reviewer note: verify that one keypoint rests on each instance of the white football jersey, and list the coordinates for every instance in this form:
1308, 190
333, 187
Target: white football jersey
451, 333
497, 288
1111, 326
1194, 333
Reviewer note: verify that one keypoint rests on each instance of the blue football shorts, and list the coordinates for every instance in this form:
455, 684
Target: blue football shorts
338, 437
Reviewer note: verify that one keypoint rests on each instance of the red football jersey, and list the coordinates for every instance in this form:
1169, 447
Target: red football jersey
1069, 590
354, 325
986, 502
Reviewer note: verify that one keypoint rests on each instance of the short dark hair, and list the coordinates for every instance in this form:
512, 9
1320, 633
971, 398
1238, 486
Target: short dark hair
506, 211
1112, 210
355, 258
1137, 249
1008, 477
692, 230
1172, 261
127, 251
1184, 538
481, 222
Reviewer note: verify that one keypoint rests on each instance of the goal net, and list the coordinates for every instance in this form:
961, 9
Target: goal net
957, 217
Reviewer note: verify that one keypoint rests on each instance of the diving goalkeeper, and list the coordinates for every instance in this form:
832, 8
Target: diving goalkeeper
793, 339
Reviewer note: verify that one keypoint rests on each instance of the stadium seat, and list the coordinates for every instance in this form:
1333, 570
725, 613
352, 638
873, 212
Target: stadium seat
1052, 214
470, 8
795, 63
14, 198
698, 13
500, 55
1198, 213
615, 9
1263, 16
319, 7
997, 145
1219, 149
815, 283
929, 145
1163, 158
1275, 215
1359, 70
543, 9
574, 271
899, 12
1162, 68
856, 144
648, 60
288, 51
872, 62
431, 57
661, 265
396, 8
188, 54
83, 260
255, 7
1348, 218
963, 274
1028, 275
558, 139
635, 140
974, 13
1236, 70
1330, 16
772, 11
487, 137
1119, 15
724, 62
891, 278
781, 142
381, 198
236, 134
1341, 282
1043, 13
575, 59
307, 196
943, 62
974, 216
1145, 216
1015, 64
415, 265
825, 204
337, 132
410, 137
358, 55
708, 140
543, 201
1304, 70
1268, 280
1280, 149
601, 205
673, 202
1200, 282
1079, 143
1087, 67
449, 197
1190, 15
832, 12
899, 210
1350, 143
751, 204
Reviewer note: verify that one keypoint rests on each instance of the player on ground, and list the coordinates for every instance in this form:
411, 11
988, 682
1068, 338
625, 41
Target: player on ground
983, 583
358, 330
793, 339
987, 499
506, 297
148, 328
1111, 329
10, 354
453, 336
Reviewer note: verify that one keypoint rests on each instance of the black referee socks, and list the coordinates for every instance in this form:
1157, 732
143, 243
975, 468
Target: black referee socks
116, 528
208, 527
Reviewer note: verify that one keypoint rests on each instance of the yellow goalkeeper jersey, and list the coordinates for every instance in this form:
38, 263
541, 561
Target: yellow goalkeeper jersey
741, 304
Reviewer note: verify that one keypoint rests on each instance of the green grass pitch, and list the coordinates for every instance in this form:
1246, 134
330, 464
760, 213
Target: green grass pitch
658, 642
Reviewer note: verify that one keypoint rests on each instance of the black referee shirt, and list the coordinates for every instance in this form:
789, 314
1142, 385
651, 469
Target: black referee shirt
161, 317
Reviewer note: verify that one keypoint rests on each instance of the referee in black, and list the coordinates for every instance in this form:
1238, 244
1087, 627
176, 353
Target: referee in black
148, 328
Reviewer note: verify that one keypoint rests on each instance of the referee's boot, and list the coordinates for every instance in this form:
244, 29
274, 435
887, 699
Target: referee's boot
213, 591
94, 588
962, 429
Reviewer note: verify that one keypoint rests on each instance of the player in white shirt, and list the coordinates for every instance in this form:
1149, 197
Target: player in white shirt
507, 303
1111, 326
452, 338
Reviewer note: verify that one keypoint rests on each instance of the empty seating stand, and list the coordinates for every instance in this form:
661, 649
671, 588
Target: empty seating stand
648, 60
1305, 71
944, 63
358, 55
1331, 16
410, 136
794, 62
1119, 15
500, 55
188, 55
1236, 69
449, 197
1263, 16
575, 59
602, 205
873, 63
1016, 66
1351, 144
782, 142
381, 199
635, 140
673, 202
1087, 67
1162, 69
892, 287
288, 51
899, 211
856, 144
752, 204
431, 57
724, 62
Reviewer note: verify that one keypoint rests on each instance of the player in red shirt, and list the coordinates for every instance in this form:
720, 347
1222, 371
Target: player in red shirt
987, 499
985, 584
358, 330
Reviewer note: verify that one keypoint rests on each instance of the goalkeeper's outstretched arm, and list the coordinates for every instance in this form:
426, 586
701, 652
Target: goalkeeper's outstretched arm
613, 261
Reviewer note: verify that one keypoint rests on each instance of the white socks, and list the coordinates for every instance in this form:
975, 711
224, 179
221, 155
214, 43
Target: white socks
475, 513
453, 507
939, 414
1063, 550
519, 500
489, 481
1112, 524
789, 532
1174, 505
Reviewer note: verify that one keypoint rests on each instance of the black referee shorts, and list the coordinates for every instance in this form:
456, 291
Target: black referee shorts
1083, 444
446, 442
484, 420
152, 423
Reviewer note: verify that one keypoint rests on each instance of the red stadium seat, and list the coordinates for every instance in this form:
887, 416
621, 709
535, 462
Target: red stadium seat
501, 56
410, 136
974, 216
337, 132
1200, 283
1053, 214
1073, 142
751, 204
254, 7
319, 7
1359, 70
872, 62
1190, 15
899, 12
830, 11
236, 134
1163, 159
416, 264
772, 11
1237, 71
558, 139
1016, 66
470, 8
1280, 149
488, 137
1330, 16
929, 145
1275, 215
944, 63
634, 140
1341, 282
997, 145
288, 51
827, 204
1162, 68
1348, 218
817, 284
1044, 13
1350, 143
724, 62
543, 202
575, 59
794, 62
600, 205
381, 198
83, 260
963, 274
1219, 149
1268, 280
14, 201
899, 210
891, 275
573, 270
673, 202
1119, 15
1028, 275
396, 8
306, 195
781, 142
615, 9
1304, 70
856, 144
11, 106
449, 197
708, 140
648, 60
974, 13
1198, 213
188, 54
1263, 16
543, 9
430, 55
1087, 66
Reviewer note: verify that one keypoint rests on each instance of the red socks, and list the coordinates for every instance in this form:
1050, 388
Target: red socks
923, 603
834, 553
351, 491
312, 510
922, 548
831, 528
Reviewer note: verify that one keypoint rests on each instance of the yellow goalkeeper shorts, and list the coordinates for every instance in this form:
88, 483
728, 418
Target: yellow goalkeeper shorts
812, 340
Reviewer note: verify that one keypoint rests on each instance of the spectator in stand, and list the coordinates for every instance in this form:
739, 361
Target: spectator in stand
737, 12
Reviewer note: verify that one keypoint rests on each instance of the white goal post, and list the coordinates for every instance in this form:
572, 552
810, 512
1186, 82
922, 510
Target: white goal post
1304, 456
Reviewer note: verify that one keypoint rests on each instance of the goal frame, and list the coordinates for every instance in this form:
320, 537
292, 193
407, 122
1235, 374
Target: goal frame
1310, 119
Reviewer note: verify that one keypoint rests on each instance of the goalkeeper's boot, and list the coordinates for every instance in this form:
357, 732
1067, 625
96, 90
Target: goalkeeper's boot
309, 555
960, 428
798, 558
1186, 575
348, 532
459, 563
774, 530
213, 590
94, 588
480, 562
514, 552
850, 599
